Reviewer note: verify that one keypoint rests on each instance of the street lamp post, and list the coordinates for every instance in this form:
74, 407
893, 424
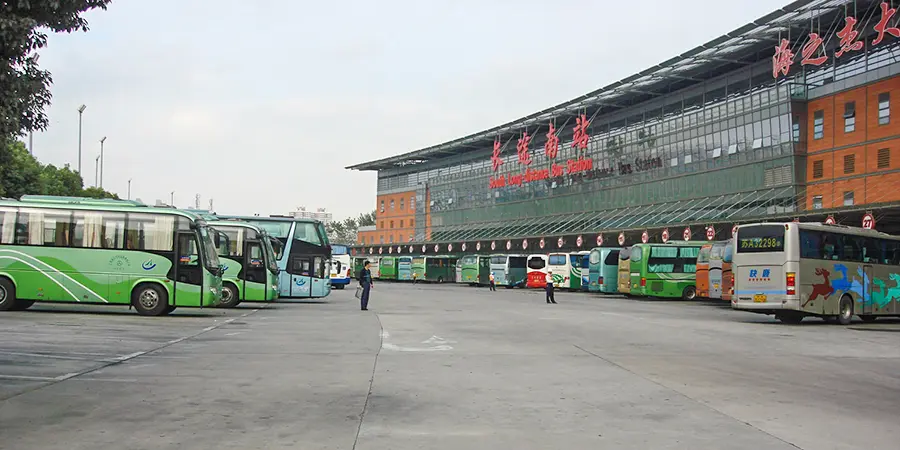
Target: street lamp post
80, 113
101, 161
172, 202
129, 189
96, 165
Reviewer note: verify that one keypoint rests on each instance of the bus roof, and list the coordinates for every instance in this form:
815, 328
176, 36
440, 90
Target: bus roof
214, 222
86, 204
835, 228
270, 218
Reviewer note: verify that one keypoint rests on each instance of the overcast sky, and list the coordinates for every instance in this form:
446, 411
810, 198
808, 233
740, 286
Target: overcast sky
261, 104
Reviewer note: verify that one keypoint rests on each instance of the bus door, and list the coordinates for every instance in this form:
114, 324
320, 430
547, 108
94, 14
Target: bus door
320, 284
188, 271
254, 272
300, 271
868, 304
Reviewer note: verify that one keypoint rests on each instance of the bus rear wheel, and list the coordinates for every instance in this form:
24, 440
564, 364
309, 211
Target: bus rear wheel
7, 295
440, 280
229, 296
845, 310
150, 300
689, 293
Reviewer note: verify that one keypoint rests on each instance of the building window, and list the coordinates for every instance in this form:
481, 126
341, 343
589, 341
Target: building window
884, 158
412, 203
401, 204
392, 205
849, 164
819, 124
371, 239
849, 117
401, 223
884, 108
382, 206
392, 239
382, 239
817, 202
392, 224
410, 238
381, 225
795, 129
848, 198
818, 169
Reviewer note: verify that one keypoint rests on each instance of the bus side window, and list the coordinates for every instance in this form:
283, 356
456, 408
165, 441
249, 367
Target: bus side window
811, 245
871, 251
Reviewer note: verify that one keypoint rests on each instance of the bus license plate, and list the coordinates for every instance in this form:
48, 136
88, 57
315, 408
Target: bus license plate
759, 298
715, 285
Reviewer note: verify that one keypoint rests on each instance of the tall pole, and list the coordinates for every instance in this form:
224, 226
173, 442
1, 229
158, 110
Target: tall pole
101, 161
96, 164
129, 189
172, 202
80, 113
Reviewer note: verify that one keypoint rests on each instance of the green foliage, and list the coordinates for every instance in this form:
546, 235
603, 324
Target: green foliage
21, 174
345, 231
24, 87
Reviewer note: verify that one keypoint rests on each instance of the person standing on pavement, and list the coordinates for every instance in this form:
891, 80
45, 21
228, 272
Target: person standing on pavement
493, 286
365, 282
549, 280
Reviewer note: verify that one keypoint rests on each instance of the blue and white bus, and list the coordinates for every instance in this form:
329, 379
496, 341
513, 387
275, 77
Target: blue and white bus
341, 266
303, 257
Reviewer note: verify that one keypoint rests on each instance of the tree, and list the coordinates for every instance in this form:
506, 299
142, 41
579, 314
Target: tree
24, 87
344, 231
366, 219
21, 174
96, 192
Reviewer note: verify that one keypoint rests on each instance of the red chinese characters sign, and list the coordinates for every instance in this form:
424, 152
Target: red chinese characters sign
496, 160
551, 147
580, 136
813, 49
522, 149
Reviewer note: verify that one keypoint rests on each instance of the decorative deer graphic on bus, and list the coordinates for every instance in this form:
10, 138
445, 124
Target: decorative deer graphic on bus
823, 289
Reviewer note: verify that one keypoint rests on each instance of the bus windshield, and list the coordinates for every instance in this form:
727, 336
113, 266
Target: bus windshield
517, 262
270, 254
498, 260
208, 249
536, 263
595, 257
557, 260
585, 261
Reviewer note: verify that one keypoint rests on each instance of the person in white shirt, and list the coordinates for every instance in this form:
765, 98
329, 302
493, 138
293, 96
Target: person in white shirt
550, 298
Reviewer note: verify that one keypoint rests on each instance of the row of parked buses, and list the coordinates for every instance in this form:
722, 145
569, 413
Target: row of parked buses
155, 259
790, 270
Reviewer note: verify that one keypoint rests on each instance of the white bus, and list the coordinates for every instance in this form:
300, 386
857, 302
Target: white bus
341, 271
794, 270
509, 270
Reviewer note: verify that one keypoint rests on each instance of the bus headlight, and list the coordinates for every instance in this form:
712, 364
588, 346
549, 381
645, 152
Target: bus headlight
275, 287
213, 290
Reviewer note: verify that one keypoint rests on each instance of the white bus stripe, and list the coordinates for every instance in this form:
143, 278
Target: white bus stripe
59, 272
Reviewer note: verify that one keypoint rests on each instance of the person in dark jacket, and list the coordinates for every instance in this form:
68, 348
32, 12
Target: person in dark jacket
365, 281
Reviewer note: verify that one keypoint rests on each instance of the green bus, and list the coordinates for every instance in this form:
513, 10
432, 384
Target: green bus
665, 270
604, 267
388, 268
358, 264
88, 251
476, 270
436, 269
248, 259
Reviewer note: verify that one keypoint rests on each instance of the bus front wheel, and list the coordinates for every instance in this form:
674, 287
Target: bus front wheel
229, 296
440, 280
845, 310
7, 295
150, 300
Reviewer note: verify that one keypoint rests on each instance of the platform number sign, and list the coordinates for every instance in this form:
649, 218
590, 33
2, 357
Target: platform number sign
380, 250
411, 249
463, 246
665, 235
524, 243
622, 238
541, 243
390, 249
449, 247
478, 247
686, 235
509, 245
600, 240
830, 220
560, 242
399, 249
579, 241
493, 245
436, 248
734, 231
370, 250
868, 221
710, 233
424, 248
645, 237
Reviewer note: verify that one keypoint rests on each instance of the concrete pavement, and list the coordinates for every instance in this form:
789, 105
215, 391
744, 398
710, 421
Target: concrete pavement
454, 367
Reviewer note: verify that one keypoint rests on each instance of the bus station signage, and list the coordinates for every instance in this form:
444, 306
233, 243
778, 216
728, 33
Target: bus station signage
665, 235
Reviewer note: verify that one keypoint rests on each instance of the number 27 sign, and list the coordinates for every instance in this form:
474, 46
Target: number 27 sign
868, 221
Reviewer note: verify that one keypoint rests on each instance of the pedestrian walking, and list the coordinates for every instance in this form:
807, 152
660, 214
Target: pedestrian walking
493, 286
549, 280
365, 283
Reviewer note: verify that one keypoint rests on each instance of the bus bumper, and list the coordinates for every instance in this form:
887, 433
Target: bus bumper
747, 303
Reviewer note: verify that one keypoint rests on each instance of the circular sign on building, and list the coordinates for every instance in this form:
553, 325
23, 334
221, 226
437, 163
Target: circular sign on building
463, 246
437, 248
541, 243
622, 238
830, 220
579, 241
410, 248
645, 237
734, 230
524, 243
380, 250
370, 250
449, 247
560, 242
509, 245
600, 240
665, 235
399, 249
686, 235
493, 245
710, 233
424, 248
478, 246
390, 250
868, 221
